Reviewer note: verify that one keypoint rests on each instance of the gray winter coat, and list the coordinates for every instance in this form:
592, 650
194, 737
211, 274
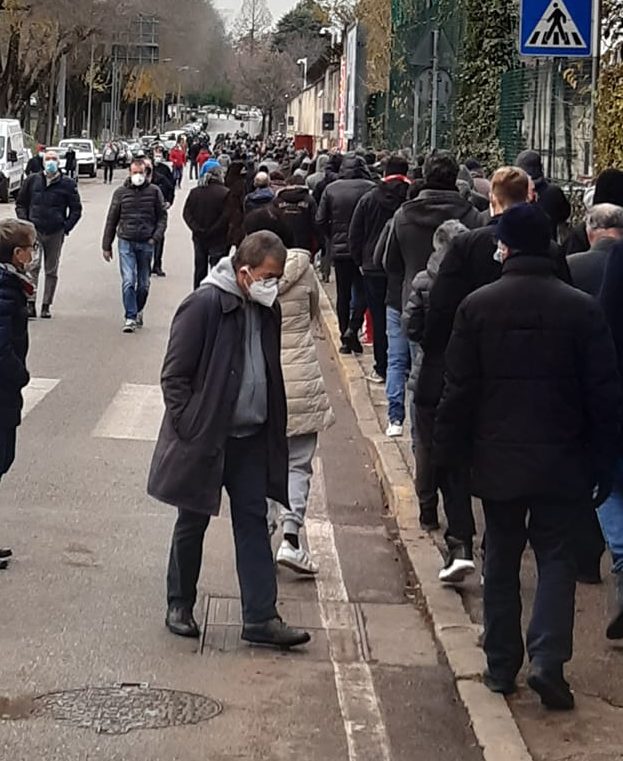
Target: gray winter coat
137, 214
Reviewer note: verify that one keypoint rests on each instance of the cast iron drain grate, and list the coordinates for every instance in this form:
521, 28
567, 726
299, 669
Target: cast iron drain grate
121, 708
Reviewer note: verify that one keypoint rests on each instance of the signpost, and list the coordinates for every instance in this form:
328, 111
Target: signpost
557, 28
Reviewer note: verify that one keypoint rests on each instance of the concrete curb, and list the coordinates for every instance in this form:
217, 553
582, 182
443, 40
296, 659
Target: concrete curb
491, 718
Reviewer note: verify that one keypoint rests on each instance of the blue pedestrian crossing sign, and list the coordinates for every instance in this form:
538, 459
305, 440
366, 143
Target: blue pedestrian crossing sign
553, 28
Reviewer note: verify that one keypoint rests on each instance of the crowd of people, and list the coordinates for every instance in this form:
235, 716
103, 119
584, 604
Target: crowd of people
495, 325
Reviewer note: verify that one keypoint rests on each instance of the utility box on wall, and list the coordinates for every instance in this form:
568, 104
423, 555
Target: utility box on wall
328, 122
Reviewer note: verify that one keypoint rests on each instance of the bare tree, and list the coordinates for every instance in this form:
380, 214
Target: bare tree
253, 22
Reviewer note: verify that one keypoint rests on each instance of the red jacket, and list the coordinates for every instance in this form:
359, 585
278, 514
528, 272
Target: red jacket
204, 155
177, 157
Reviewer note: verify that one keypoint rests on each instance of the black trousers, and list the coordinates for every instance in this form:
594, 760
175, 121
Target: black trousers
349, 285
376, 290
205, 257
549, 527
244, 478
109, 168
158, 253
194, 170
8, 437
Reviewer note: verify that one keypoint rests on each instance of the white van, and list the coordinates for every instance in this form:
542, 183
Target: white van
12, 158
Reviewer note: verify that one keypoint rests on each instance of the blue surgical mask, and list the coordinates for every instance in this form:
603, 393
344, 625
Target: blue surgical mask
51, 167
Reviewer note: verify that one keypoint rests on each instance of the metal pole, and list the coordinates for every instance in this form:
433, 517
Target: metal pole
151, 115
90, 103
416, 119
50, 130
62, 90
595, 78
435, 91
136, 84
179, 100
164, 110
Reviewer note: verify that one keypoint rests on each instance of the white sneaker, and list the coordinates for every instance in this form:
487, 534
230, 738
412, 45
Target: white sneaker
129, 326
394, 429
457, 570
298, 561
374, 377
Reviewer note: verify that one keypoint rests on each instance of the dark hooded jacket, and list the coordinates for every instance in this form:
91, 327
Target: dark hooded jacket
532, 393
50, 206
338, 203
371, 215
549, 196
299, 209
411, 240
13, 349
608, 189
331, 174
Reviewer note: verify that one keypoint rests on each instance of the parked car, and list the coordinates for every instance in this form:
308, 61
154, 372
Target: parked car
12, 158
85, 154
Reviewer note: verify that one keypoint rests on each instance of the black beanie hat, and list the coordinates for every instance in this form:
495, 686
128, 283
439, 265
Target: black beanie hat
525, 229
530, 162
609, 187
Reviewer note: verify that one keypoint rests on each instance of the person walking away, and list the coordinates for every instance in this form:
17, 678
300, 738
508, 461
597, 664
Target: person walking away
261, 196
296, 204
193, 155
109, 159
207, 214
608, 188
18, 242
52, 203
610, 514
309, 409
203, 156
371, 215
162, 177
549, 196
334, 216
540, 436
423, 417
225, 427
138, 217
235, 183
409, 246
604, 229
71, 163
313, 179
177, 157
35, 163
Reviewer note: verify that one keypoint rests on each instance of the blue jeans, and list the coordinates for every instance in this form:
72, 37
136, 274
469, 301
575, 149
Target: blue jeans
611, 519
135, 263
398, 366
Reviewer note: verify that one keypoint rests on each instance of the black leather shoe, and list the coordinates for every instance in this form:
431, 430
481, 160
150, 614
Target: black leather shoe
159, 272
615, 627
551, 687
274, 632
344, 349
351, 339
429, 520
5, 553
45, 312
180, 621
32, 310
499, 685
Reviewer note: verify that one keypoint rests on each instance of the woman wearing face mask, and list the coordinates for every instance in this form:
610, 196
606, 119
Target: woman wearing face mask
309, 408
18, 241
225, 426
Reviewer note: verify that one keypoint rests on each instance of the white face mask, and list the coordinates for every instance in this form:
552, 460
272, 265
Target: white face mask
138, 180
499, 255
264, 292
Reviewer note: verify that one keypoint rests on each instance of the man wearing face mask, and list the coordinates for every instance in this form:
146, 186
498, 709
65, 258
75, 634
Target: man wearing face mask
138, 217
225, 426
52, 203
162, 176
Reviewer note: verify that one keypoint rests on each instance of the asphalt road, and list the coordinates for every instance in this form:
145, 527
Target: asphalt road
82, 605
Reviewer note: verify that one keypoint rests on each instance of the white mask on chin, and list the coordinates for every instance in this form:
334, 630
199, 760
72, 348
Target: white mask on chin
263, 292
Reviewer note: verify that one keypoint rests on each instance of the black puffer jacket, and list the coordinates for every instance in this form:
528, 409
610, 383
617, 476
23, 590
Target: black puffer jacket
532, 393
298, 207
371, 215
136, 213
13, 348
207, 212
415, 223
338, 203
50, 207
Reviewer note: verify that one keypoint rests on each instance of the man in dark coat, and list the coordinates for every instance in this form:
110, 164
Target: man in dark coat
371, 215
138, 217
297, 205
162, 177
334, 216
532, 402
71, 163
52, 203
17, 244
225, 426
261, 196
608, 189
207, 212
604, 228
548, 195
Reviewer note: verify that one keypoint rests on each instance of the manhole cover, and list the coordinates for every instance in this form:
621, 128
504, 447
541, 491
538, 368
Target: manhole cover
121, 708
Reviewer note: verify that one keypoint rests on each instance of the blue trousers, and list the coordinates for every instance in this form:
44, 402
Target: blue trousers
135, 262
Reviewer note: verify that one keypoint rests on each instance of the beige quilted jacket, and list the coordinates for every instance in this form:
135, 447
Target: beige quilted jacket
309, 409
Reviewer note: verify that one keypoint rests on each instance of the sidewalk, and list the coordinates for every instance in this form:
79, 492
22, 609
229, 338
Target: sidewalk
594, 730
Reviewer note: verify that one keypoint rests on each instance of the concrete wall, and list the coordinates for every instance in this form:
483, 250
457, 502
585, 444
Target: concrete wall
323, 96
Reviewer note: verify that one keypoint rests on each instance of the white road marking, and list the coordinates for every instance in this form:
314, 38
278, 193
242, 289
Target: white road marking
366, 735
35, 391
135, 413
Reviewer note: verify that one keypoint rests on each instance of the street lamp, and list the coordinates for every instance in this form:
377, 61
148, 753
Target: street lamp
303, 62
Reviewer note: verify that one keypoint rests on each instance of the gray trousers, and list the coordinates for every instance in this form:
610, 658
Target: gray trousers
51, 246
301, 454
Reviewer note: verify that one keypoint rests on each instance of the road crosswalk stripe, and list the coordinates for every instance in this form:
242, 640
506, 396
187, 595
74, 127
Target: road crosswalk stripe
366, 734
134, 413
35, 391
